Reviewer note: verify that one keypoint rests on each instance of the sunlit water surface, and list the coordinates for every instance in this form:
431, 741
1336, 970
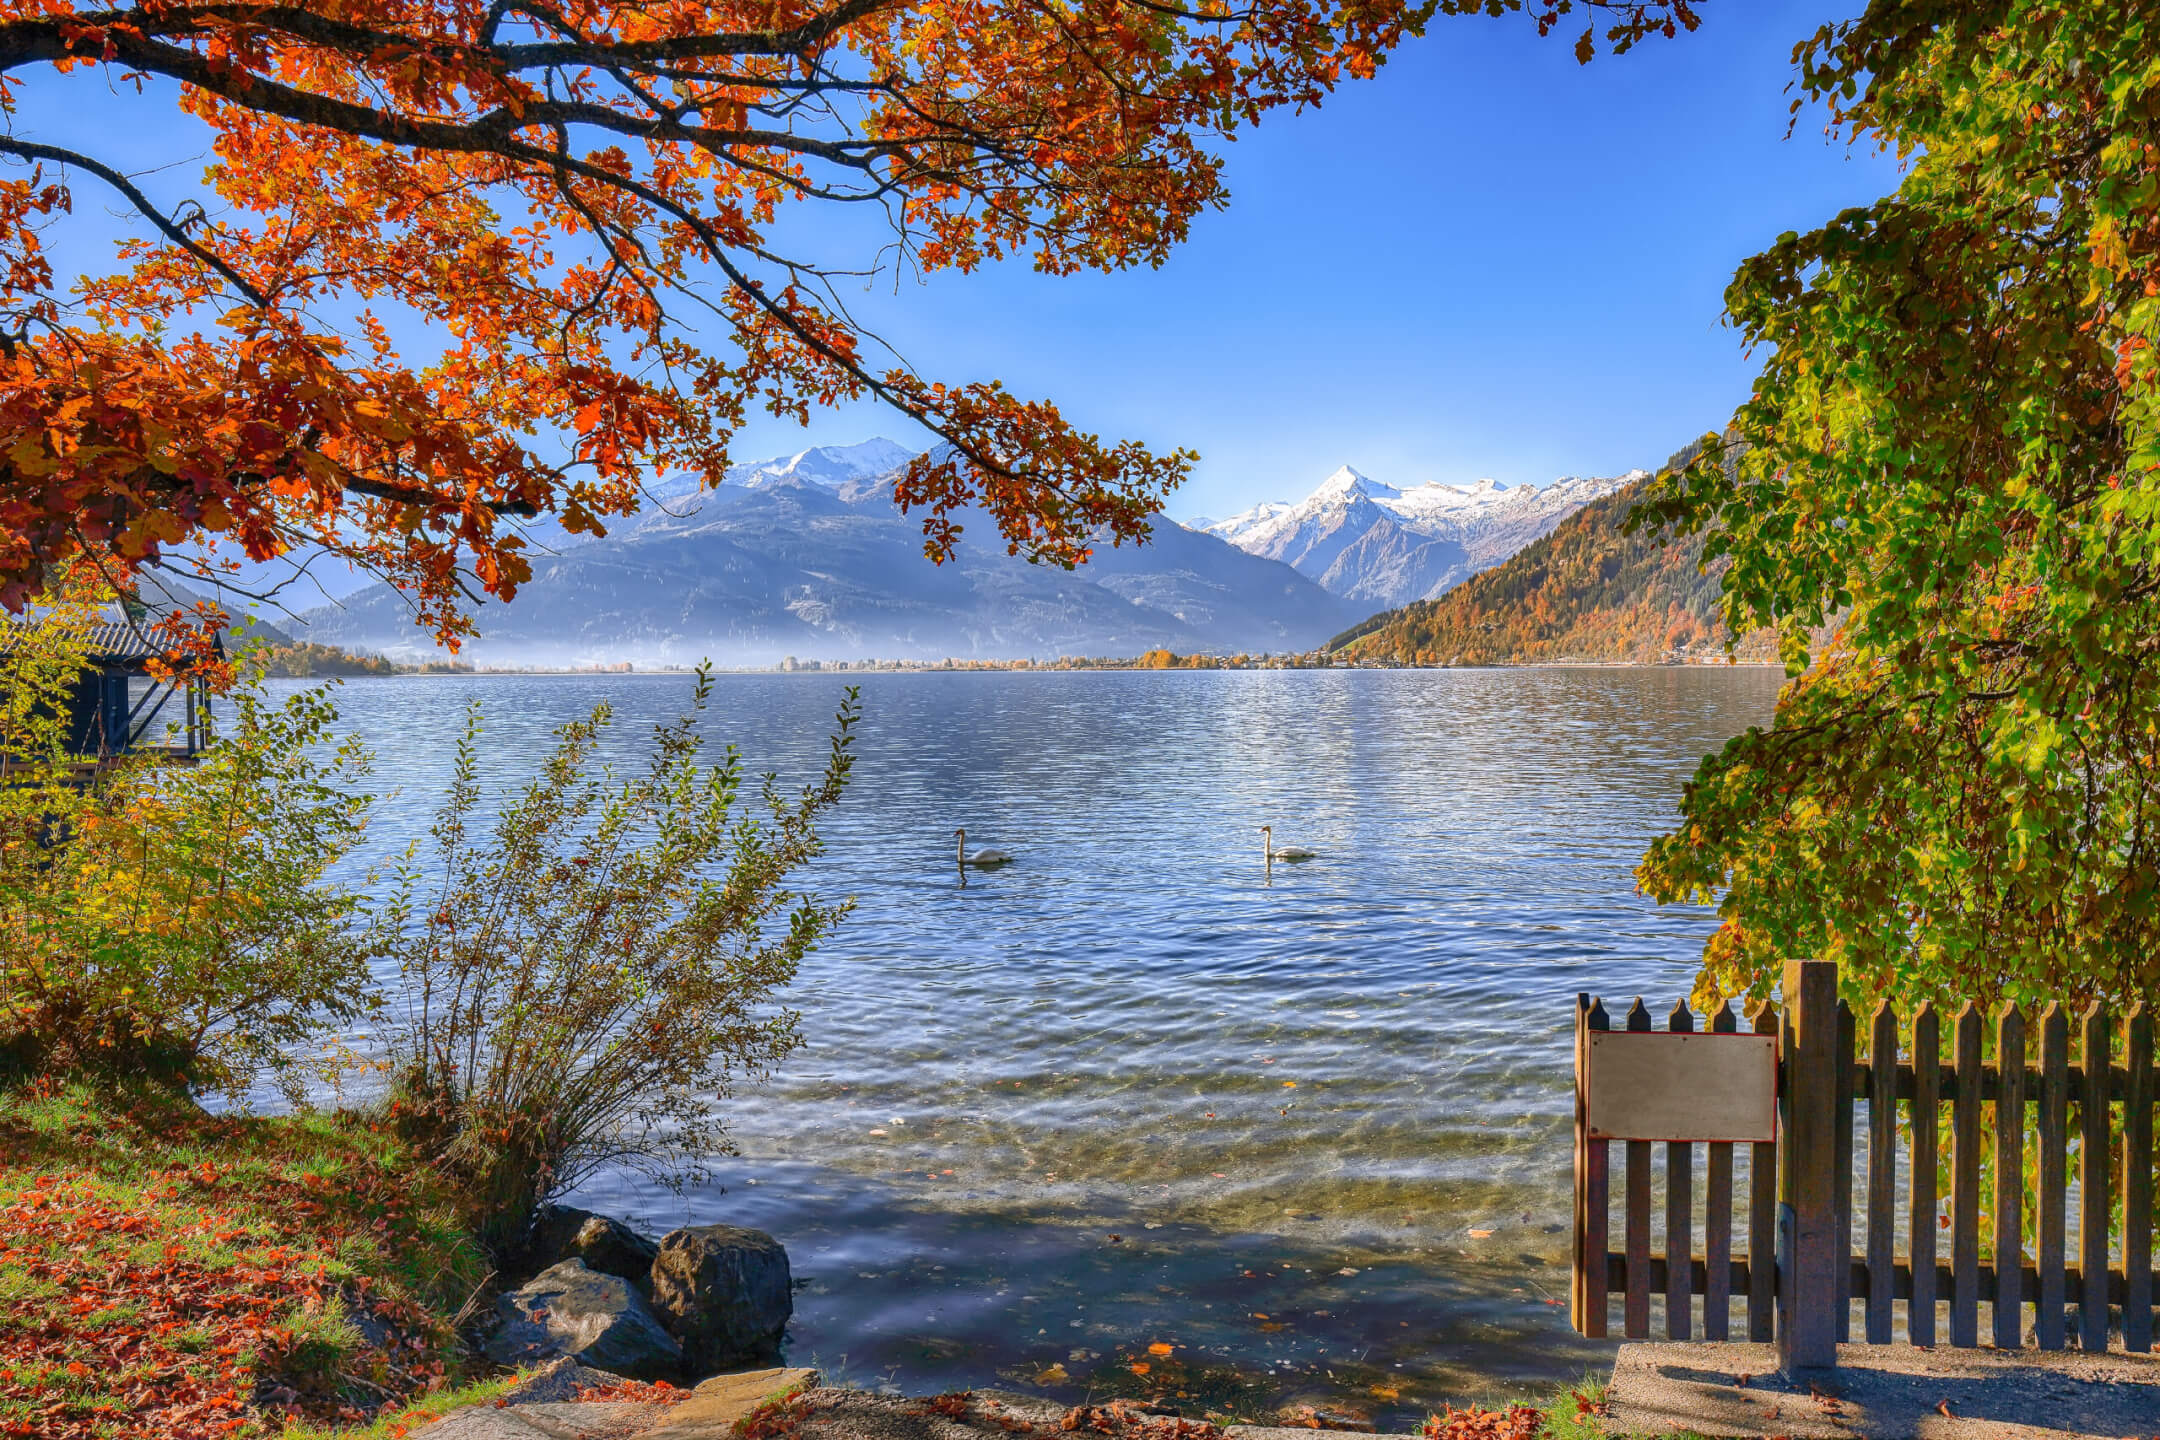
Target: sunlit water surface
1307, 1128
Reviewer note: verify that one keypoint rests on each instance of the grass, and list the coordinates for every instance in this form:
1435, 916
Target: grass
404, 1422
1571, 1414
168, 1273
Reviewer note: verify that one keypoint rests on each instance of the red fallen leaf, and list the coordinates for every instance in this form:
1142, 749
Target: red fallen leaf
658, 1392
1942, 1407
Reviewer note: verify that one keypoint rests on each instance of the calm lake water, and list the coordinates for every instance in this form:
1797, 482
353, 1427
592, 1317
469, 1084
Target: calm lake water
1308, 1129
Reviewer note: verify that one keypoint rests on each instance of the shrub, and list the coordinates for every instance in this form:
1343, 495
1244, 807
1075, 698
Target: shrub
170, 919
585, 986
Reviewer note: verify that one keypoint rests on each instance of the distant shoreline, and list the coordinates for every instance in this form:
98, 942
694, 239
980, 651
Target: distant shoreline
978, 667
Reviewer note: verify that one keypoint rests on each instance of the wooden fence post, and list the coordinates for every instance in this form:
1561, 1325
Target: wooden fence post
1635, 1304
1808, 1262
1926, 1115
2137, 1179
2010, 1179
1679, 1213
1882, 1173
1592, 1232
1762, 1215
2094, 1178
1717, 1217
2054, 1175
1965, 1148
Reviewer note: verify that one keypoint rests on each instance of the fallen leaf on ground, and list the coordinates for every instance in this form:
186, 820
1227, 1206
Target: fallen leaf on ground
1517, 1422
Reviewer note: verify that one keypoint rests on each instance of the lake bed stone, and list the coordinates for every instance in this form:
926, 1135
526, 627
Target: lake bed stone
726, 1293
594, 1319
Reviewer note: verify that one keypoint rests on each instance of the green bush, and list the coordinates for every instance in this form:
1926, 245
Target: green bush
167, 919
585, 984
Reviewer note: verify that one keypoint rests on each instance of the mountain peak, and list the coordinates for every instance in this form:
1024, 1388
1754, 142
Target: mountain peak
829, 465
1347, 481
1402, 545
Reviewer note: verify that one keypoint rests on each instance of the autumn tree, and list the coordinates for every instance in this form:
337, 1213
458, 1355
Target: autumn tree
1956, 439
176, 921
572, 214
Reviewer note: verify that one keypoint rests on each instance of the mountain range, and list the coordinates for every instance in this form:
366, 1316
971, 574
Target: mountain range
1382, 547
808, 556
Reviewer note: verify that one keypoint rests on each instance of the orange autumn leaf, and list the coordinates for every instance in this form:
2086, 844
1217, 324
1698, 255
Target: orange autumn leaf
455, 263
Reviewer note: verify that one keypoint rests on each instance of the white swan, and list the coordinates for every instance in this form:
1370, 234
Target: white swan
983, 859
1288, 852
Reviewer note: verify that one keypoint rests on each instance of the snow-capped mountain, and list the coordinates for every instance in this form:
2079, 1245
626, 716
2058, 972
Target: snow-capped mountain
807, 555
1372, 543
829, 465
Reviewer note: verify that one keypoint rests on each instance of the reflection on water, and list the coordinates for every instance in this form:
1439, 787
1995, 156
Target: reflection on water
1306, 1126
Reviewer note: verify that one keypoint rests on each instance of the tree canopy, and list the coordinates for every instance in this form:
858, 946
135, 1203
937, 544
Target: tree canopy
1954, 438
580, 210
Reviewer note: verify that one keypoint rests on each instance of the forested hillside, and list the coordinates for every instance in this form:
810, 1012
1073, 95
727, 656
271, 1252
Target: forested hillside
1587, 591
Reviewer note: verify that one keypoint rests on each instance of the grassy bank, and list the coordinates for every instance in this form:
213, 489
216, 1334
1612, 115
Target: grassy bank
168, 1273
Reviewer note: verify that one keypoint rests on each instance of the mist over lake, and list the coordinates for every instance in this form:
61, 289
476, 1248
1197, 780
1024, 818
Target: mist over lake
1306, 1126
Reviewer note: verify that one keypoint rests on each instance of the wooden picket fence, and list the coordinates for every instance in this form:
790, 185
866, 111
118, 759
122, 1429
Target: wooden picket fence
2104, 1096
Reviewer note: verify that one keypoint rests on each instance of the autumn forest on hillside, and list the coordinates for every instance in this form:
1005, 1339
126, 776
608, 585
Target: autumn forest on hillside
1601, 587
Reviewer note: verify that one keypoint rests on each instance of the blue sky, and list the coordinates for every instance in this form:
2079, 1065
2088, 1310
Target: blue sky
1489, 261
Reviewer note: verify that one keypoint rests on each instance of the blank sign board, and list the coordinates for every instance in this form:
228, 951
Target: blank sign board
1649, 1085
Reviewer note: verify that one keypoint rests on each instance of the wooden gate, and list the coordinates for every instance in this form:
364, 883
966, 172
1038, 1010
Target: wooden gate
2020, 1094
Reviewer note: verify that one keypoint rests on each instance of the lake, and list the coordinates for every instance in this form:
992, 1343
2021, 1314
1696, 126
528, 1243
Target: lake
1306, 1128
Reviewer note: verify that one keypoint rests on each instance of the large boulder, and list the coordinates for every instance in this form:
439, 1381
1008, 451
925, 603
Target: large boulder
726, 1293
605, 1244
596, 1320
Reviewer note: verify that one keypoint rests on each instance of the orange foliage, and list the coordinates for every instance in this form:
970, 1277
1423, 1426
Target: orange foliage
1517, 1422
549, 192
642, 1392
181, 1338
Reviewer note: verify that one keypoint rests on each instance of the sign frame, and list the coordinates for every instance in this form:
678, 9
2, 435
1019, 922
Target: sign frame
1634, 1058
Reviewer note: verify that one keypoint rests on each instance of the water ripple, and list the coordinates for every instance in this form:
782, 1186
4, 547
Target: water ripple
1294, 1093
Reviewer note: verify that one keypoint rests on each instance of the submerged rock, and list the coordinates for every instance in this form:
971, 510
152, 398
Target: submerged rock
595, 1319
726, 1293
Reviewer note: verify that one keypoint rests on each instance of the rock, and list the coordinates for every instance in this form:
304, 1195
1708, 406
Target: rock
484, 1422
725, 1293
590, 1419
594, 1319
717, 1407
605, 1244
1322, 1417
558, 1380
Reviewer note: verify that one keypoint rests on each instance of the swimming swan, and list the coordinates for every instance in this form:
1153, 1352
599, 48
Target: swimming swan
1288, 852
981, 858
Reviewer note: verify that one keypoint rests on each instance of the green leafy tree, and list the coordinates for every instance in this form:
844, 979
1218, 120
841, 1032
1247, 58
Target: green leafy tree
175, 920
588, 980
1954, 436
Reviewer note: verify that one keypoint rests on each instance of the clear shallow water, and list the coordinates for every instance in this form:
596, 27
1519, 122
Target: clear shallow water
1309, 1129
